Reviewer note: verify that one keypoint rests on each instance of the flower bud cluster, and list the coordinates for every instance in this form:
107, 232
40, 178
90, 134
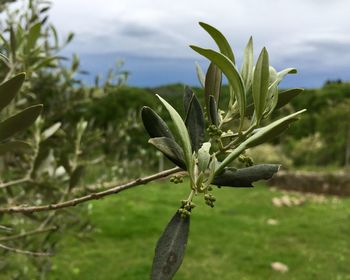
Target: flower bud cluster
246, 160
176, 179
214, 131
209, 199
186, 208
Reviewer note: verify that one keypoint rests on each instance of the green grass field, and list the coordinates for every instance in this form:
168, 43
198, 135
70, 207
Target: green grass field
231, 241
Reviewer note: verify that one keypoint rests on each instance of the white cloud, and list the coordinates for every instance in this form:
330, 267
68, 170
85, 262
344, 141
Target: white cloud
308, 32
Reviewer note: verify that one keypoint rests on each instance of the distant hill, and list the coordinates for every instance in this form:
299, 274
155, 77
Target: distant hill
157, 71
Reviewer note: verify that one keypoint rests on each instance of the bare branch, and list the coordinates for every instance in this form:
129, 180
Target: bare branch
92, 196
14, 182
24, 252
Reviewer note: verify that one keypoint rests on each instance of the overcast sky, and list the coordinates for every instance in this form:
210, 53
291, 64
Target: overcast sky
311, 35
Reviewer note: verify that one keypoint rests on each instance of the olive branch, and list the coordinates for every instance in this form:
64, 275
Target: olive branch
205, 145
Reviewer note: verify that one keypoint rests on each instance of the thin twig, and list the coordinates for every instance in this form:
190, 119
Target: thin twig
28, 233
92, 196
14, 182
24, 252
4, 228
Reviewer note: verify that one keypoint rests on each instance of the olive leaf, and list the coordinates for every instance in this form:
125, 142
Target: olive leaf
232, 74
154, 124
204, 156
220, 40
170, 149
272, 99
33, 35
213, 81
13, 42
272, 130
182, 133
170, 249
273, 76
286, 96
213, 111
76, 176
285, 72
13, 146
213, 165
244, 177
9, 89
200, 75
248, 64
19, 122
47, 133
262, 135
260, 84
194, 120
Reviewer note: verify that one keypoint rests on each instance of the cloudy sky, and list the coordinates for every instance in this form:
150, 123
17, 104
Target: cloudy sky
152, 36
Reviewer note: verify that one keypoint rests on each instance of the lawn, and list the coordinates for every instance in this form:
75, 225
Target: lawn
231, 241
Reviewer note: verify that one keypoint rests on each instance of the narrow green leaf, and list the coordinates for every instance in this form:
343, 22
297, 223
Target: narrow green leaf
33, 36
13, 42
213, 81
170, 149
261, 84
170, 249
47, 133
64, 161
285, 72
182, 133
55, 35
5, 43
213, 111
248, 64
46, 62
204, 157
220, 40
194, 119
272, 99
285, 97
154, 124
19, 122
273, 76
200, 75
244, 177
4, 60
262, 135
13, 146
272, 130
76, 176
213, 165
69, 37
9, 89
232, 74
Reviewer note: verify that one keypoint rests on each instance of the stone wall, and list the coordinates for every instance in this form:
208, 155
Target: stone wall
313, 182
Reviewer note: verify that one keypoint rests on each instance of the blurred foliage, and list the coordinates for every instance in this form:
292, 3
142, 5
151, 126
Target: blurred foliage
270, 154
59, 146
327, 120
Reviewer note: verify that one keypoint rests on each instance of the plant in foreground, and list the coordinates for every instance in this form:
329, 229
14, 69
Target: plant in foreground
206, 143
208, 157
